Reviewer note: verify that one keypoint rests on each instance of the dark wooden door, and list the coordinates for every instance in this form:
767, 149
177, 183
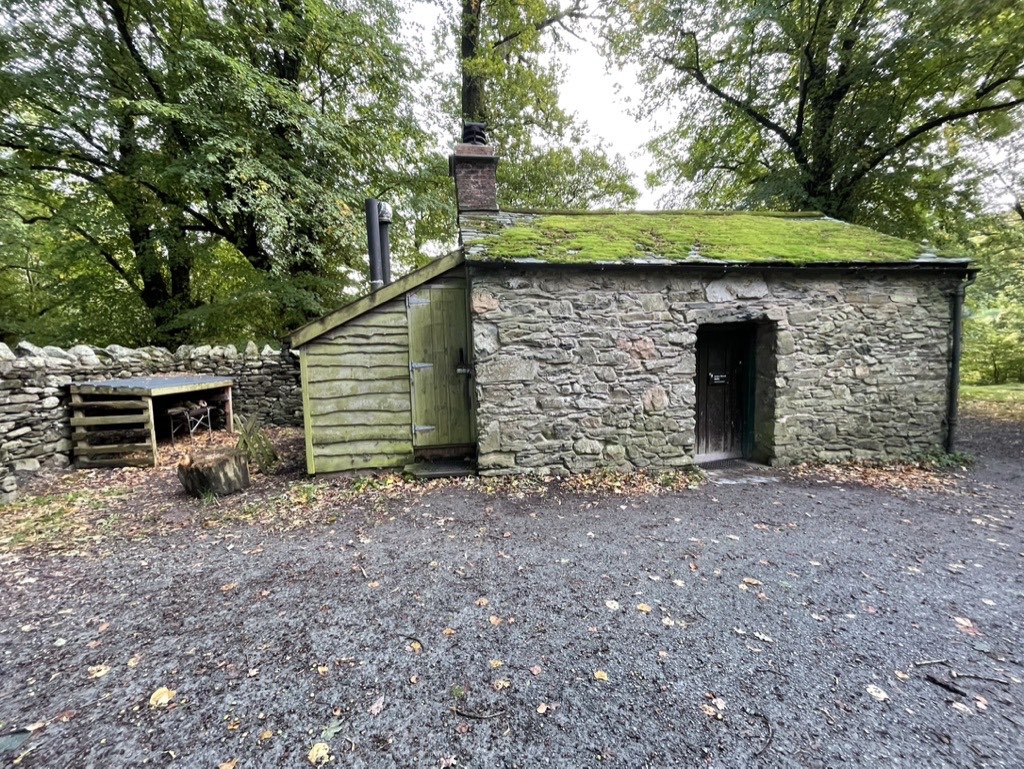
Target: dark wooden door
723, 389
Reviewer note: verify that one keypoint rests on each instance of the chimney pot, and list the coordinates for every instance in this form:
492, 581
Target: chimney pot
474, 133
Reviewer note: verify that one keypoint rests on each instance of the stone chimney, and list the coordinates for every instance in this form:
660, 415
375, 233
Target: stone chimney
475, 167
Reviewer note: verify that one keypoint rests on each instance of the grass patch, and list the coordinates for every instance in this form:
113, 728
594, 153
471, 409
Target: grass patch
54, 519
725, 236
1002, 393
1001, 403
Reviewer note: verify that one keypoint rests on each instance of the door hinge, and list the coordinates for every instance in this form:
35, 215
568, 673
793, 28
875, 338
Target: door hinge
423, 428
420, 366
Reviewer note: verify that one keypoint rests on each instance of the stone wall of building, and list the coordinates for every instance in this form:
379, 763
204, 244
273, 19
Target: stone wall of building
585, 368
34, 418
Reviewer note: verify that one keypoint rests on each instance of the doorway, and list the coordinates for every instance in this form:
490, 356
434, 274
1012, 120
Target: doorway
440, 369
725, 391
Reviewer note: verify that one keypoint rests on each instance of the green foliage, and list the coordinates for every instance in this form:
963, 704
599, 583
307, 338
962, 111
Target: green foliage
738, 237
198, 172
994, 323
253, 441
856, 109
510, 75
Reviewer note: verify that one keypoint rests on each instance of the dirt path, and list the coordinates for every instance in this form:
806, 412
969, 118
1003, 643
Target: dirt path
741, 624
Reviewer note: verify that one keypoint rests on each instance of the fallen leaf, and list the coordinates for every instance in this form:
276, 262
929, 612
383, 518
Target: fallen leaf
66, 715
414, 679
447, 762
988, 602
495, 664
98, 671
481, 602
448, 631
463, 728
103, 628
331, 731
613, 605
542, 708
751, 581
600, 675
876, 692
495, 619
536, 670
711, 712
377, 706
319, 754
228, 587
228, 764
133, 661
265, 735
902, 676
501, 683
234, 725
763, 637
643, 608
416, 647
373, 585
959, 706
162, 697
678, 583
668, 622
322, 669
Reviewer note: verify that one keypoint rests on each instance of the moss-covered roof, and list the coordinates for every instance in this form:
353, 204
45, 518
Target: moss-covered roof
737, 237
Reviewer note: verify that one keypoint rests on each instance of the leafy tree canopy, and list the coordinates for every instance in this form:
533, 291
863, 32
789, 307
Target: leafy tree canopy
509, 70
199, 166
857, 108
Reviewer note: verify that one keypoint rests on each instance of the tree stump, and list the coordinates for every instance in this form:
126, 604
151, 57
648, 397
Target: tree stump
215, 472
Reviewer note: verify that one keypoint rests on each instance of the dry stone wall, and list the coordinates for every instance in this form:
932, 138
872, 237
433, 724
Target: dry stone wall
34, 426
584, 368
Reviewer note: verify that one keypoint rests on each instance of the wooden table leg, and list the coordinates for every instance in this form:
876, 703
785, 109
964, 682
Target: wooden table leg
228, 412
151, 424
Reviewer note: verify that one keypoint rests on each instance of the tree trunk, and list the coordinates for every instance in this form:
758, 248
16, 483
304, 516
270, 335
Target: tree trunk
473, 108
219, 473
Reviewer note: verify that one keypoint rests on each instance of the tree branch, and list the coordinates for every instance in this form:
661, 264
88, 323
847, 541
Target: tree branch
574, 11
866, 167
697, 73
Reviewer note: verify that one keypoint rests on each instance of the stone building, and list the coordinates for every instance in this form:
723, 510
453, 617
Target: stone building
557, 343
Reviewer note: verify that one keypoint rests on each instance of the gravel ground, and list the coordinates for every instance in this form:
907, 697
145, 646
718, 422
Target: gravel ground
790, 623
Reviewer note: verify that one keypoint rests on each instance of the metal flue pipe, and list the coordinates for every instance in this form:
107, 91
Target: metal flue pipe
373, 244
384, 218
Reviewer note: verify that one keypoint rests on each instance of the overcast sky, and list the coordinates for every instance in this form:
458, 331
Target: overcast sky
589, 91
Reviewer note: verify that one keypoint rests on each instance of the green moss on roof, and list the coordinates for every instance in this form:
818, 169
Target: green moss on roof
729, 237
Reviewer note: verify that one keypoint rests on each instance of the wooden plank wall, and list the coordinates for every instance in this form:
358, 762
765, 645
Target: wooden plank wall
357, 394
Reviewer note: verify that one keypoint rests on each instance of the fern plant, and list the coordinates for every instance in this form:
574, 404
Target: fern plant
253, 441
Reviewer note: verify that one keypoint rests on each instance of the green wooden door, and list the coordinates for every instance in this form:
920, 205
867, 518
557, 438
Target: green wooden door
439, 366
